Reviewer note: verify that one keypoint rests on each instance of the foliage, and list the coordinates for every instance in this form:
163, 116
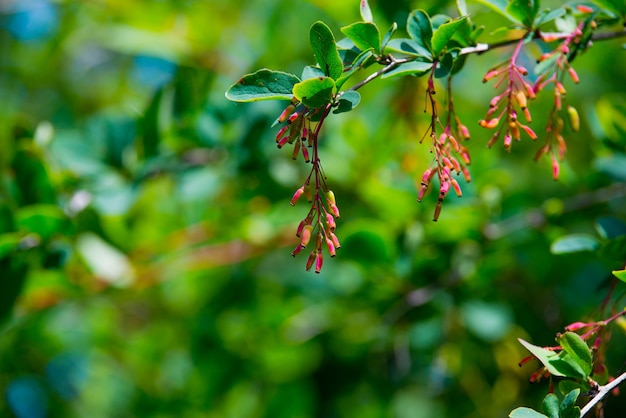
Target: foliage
145, 228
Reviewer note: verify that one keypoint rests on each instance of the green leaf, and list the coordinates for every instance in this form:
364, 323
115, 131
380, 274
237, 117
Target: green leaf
415, 68
547, 15
358, 62
315, 92
348, 101
498, 6
388, 35
408, 47
523, 11
620, 274
325, 50
366, 12
364, 35
445, 66
420, 29
578, 350
524, 412
551, 405
444, 33
574, 243
614, 249
558, 364
616, 6
568, 408
9, 243
609, 227
43, 220
312, 72
263, 85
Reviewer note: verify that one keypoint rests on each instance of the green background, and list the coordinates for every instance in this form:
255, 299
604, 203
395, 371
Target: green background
146, 231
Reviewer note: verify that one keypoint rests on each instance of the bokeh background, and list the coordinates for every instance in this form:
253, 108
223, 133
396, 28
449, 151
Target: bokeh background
146, 231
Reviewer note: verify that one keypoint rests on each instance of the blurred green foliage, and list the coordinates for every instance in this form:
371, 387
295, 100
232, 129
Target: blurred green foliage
145, 229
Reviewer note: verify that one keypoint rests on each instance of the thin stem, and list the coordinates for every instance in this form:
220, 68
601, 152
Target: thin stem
602, 392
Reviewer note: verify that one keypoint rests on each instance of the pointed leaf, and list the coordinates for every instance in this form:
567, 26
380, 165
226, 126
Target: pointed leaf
389, 34
315, 92
557, 364
568, 408
498, 6
366, 12
312, 72
325, 50
408, 47
524, 412
416, 68
574, 243
551, 405
263, 85
444, 33
348, 101
523, 11
420, 29
364, 35
620, 274
578, 350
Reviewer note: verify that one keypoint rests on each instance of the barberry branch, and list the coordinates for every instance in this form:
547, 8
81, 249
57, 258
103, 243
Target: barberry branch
602, 391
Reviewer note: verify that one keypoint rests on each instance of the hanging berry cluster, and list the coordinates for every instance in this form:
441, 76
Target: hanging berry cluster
436, 48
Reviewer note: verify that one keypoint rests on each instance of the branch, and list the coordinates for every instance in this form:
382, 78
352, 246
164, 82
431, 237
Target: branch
602, 392
481, 48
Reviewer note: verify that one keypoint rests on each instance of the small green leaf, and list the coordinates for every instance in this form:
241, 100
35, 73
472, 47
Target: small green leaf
444, 33
523, 11
420, 29
325, 50
444, 66
551, 405
578, 350
364, 35
574, 243
408, 47
263, 85
366, 12
568, 408
620, 274
315, 92
44, 220
348, 101
547, 15
389, 34
416, 68
558, 364
524, 412
312, 72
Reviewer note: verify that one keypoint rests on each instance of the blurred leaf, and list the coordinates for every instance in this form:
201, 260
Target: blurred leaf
610, 227
263, 85
364, 35
27, 398
325, 50
574, 243
491, 322
551, 405
614, 249
499, 6
31, 177
444, 33
523, 11
348, 101
578, 350
315, 92
524, 412
614, 165
43, 220
546, 16
12, 280
616, 6
420, 29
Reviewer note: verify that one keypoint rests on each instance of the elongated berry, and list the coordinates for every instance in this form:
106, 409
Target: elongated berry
489, 123
286, 112
456, 187
311, 260
335, 240
305, 154
283, 141
437, 211
319, 261
296, 150
330, 196
330, 222
331, 247
297, 195
307, 231
281, 132
573, 118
